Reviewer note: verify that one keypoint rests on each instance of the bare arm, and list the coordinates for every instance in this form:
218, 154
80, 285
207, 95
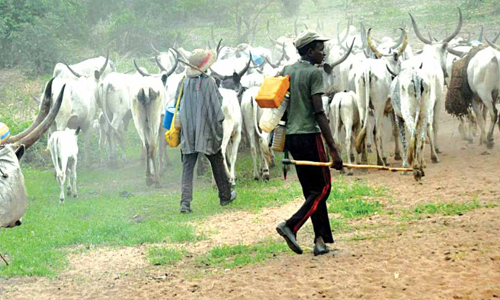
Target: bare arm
322, 120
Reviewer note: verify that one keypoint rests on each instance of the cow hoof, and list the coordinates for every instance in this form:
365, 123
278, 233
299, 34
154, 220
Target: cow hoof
438, 151
385, 161
435, 160
266, 177
149, 182
75, 195
350, 173
68, 193
61, 201
369, 149
470, 141
397, 157
490, 144
352, 157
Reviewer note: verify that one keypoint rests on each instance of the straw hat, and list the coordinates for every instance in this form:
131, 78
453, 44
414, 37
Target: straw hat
202, 59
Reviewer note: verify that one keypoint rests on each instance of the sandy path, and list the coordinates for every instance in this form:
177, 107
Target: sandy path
437, 258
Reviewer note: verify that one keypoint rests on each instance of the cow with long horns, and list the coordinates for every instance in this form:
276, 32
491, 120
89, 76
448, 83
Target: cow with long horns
13, 197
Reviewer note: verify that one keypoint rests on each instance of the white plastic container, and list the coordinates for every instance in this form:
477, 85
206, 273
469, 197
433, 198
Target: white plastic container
272, 116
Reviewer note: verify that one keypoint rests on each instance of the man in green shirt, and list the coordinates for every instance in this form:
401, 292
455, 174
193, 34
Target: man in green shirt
306, 122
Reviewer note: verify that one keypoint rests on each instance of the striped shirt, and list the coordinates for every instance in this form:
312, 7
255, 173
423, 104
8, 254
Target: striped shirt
201, 116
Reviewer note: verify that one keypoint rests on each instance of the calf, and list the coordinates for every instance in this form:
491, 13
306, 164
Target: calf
344, 112
63, 146
231, 125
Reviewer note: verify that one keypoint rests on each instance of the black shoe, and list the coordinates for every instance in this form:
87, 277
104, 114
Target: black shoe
320, 250
233, 196
186, 209
289, 237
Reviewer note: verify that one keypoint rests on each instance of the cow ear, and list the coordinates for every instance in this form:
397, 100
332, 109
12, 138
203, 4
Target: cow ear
20, 152
236, 77
97, 75
78, 130
164, 79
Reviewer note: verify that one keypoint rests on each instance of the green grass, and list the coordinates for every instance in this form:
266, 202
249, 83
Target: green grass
165, 256
346, 199
229, 257
445, 209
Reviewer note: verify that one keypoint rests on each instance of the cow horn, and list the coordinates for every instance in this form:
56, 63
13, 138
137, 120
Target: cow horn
346, 33
44, 110
209, 44
468, 37
492, 45
219, 76
481, 34
242, 72
457, 30
372, 46
405, 42
494, 41
31, 138
269, 36
172, 70
363, 35
295, 27
219, 47
456, 52
139, 70
399, 41
105, 64
154, 50
417, 31
282, 56
343, 58
391, 72
270, 63
71, 70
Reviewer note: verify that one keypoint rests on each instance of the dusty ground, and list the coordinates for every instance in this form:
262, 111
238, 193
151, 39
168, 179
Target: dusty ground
439, 257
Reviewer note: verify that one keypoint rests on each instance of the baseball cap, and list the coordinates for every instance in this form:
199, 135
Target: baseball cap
308, 36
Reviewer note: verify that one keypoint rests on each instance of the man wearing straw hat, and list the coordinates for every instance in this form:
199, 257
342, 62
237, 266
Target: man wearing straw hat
306, 122
201, 121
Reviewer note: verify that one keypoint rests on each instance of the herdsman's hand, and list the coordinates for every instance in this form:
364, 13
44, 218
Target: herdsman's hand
338, 164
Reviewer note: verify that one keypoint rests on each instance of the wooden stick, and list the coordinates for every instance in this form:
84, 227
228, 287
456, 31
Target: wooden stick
348, 166
194, 67
4, 259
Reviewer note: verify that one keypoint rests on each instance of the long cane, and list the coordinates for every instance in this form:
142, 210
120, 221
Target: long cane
348, 166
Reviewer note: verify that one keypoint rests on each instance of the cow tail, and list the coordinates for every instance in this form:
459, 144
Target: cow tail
416, 123
263, 143
336, 115
362, 134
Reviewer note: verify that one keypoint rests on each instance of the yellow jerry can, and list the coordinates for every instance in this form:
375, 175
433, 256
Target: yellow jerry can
273, 91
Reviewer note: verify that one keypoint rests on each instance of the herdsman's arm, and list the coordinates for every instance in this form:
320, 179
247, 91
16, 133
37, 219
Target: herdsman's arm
317, 88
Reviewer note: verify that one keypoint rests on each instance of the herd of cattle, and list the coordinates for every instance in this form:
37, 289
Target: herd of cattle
366, 80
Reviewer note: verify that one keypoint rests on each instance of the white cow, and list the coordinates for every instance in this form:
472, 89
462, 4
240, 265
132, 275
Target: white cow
344, 113
13, 197
414, 111
79, 105
483, 75
85, 68
232, 126
258, 139
433, 62
148, 98
63, 146
372, 82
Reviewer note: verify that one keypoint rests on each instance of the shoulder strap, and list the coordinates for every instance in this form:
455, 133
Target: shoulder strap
178, 101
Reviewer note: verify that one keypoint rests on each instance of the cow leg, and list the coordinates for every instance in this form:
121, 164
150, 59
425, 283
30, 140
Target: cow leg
233, 155
400, 124
264, 165
430, 134
395, 133
488, 102
61, 177
253, 151
348, 145
228, 131
370, 129
149, 177
86, 146
480, 121
381, 160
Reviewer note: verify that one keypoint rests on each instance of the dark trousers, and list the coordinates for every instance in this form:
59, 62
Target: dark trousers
315, 182
218, 169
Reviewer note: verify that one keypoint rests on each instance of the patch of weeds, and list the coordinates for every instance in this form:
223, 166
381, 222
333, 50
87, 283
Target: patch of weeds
446, 209
339, 225
355, 208
165, 256
229, 257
